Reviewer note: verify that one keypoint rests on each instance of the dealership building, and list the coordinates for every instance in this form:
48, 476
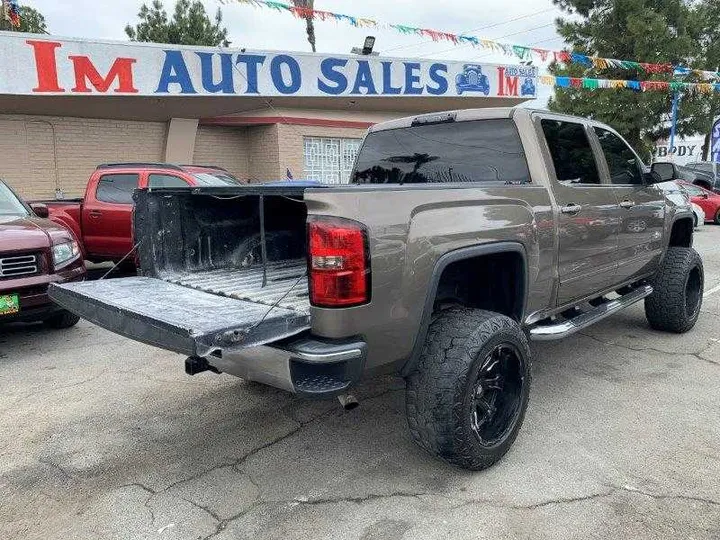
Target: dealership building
67, 105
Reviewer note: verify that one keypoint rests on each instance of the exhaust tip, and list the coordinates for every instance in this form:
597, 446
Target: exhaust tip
348, 402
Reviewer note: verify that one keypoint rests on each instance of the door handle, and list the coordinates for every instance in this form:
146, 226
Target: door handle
571, 208
627, 203
95, 213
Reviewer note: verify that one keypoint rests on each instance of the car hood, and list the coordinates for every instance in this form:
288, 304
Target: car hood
30, 233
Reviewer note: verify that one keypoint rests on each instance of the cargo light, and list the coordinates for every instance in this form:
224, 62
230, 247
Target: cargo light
339, 266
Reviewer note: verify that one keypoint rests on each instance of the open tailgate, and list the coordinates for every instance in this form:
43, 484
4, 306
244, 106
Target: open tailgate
175, 317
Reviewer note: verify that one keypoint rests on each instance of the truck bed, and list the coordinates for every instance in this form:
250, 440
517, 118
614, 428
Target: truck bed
286, 284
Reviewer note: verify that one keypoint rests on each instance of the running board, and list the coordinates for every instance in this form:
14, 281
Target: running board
548, 332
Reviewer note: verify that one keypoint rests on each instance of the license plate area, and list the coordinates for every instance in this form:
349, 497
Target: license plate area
9, 304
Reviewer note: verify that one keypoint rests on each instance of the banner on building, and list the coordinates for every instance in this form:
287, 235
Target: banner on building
715, 142
44, 65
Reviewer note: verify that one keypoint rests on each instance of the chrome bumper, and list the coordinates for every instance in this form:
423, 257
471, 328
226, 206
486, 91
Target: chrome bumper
306, 366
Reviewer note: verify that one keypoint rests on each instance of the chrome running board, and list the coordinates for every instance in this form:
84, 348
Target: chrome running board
548, 332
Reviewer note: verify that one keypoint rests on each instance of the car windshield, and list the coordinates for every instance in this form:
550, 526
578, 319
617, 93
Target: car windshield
215, 179
10, 205
702, 166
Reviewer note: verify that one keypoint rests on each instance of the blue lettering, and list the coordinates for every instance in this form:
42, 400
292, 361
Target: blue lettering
412, 78
438, 74
364, 79
252, 63
175, 71
327, 68
226, 85
277, 76
388, 88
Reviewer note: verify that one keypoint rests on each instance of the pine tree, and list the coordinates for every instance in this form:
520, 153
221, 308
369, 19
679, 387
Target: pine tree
190, 25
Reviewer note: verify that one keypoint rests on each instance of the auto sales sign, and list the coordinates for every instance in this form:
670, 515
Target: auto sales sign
44, 65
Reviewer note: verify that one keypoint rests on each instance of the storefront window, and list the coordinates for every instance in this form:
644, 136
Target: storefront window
329, 160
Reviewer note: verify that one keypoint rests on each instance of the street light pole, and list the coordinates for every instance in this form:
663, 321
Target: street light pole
673, 127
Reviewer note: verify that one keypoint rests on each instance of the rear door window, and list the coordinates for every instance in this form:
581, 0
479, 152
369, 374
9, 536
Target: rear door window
117, 188
454, 152
165, 181
571, 152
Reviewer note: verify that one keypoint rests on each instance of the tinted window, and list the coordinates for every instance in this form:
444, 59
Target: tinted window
477, 151
165, 180
571, 152
117, 188
624, 165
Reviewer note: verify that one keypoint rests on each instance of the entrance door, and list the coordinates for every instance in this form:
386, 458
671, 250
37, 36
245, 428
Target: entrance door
587, 223
641, 208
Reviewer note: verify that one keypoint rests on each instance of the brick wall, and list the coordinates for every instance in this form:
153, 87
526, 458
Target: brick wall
291, 150
264, 153
225, 147
39, 153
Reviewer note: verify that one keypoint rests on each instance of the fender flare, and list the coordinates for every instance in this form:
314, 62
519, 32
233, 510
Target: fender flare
468, 252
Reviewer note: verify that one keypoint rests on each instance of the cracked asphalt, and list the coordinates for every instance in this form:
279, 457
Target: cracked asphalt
102, 437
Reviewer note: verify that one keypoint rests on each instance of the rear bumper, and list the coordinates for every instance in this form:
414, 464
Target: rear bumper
306, 366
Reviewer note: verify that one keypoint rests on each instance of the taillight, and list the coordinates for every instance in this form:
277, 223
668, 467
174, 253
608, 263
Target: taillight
339, 266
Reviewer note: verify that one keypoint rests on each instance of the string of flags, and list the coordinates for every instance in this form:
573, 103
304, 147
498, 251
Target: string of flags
522, 52
638, 86
10, 11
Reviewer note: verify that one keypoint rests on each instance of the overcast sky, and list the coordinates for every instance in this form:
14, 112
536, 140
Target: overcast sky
524, 22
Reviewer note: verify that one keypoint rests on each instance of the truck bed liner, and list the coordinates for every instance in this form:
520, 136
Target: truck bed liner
179, 318
286, 284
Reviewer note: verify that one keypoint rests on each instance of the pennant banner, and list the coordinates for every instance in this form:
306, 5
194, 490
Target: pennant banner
638, 86
10, 11
522, 52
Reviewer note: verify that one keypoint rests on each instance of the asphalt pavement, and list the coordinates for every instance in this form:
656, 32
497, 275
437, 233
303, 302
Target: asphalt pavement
102, 437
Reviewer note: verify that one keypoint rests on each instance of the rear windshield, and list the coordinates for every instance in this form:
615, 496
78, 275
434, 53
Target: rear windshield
476, 151
215, 179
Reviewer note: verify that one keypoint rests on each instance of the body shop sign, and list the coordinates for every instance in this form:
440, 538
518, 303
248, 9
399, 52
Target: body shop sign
41, 65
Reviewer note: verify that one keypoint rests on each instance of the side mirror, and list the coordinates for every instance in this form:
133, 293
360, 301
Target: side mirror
666, 171
652, 177
41, 210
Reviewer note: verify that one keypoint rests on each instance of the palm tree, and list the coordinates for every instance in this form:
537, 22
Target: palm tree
309, 23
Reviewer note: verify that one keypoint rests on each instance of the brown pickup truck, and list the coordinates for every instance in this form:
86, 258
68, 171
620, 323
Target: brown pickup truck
462, 236
33, 253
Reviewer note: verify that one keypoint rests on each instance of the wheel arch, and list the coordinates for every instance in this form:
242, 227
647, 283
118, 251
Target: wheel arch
681, 231
476, 253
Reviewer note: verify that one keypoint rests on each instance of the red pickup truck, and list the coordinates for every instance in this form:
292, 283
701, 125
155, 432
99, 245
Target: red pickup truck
102, 219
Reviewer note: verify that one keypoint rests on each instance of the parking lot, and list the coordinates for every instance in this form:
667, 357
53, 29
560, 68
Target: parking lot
102, 437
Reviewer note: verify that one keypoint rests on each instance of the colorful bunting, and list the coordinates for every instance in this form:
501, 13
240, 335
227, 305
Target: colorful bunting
637, 86
522, 52
10, 11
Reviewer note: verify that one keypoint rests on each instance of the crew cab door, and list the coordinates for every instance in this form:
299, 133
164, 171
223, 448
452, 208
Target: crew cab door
641, 207
107, 215
587, 209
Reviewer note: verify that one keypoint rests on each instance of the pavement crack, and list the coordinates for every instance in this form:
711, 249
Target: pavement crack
661, 496
540, 504
358, 500
223, 523
57, 467
653, 349
204, 509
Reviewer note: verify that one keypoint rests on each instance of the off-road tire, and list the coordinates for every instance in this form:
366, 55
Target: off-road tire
61, 320
441, 390
674, 305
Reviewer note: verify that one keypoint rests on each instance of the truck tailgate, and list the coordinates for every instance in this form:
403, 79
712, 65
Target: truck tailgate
176, 317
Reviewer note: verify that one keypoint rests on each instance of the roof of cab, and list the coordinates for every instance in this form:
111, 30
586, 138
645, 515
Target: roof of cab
461, 115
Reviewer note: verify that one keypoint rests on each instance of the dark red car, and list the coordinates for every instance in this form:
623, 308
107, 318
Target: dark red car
708, 200
33, 253
102, 219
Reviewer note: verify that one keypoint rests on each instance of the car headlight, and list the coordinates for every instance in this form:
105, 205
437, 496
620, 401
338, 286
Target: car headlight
63, 253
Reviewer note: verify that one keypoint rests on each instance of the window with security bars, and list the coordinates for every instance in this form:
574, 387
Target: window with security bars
330, 160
